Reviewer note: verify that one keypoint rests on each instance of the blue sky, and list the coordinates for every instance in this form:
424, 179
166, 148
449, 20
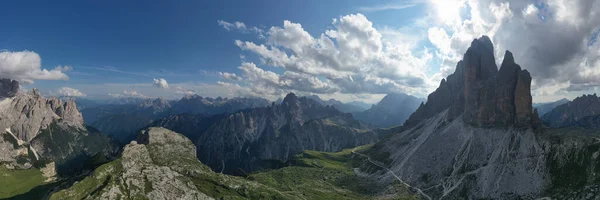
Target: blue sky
118, 47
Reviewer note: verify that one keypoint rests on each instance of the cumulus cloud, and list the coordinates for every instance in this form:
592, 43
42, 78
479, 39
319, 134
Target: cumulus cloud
229, 76
239, 26
25, 66
70, 92
182, 91
128, 93
352, 57
552, 39
161, 83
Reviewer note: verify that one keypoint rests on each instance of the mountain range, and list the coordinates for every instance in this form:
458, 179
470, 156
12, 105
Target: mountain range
392, 110
124, 120
544, 108
247, 139
581, 111
477, 136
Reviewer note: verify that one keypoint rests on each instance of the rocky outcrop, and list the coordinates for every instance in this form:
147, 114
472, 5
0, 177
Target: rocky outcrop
8, 88
36, 130
162, 164
391, 111
569, 114
26, 114
481, 94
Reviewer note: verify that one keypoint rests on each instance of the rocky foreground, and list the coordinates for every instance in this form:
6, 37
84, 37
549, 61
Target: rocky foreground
162, 164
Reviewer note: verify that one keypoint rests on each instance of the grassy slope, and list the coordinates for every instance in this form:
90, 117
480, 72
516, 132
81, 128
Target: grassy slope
314, 175
15, 182
324, 175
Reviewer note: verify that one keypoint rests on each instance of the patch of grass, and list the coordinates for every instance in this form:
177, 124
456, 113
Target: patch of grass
90, 185
15, 182
327, 175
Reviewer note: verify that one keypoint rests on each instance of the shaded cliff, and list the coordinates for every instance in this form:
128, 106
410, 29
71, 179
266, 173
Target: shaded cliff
480, 93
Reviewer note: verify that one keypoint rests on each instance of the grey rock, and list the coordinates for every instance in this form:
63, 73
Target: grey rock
35, 128
8, 88
480, 94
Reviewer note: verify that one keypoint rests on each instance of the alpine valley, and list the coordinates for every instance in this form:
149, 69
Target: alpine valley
477, 136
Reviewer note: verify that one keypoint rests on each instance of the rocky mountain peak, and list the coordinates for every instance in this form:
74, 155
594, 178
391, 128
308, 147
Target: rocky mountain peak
570, 113
28, 113
168, 140
158, 103
480, 93
8, 88
290, 98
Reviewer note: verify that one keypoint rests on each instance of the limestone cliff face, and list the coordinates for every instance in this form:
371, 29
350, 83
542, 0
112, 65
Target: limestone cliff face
480, 93
35, 129
478, 138
25, 114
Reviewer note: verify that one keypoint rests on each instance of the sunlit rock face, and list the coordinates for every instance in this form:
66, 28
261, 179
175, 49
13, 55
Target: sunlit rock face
34, 128
477, 137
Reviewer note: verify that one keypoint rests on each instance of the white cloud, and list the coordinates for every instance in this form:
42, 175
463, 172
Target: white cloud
128, 93
240, 26
161, 83
25, 66
549, 39
386, 7
70, 92
182, 91
352, 57
229, 76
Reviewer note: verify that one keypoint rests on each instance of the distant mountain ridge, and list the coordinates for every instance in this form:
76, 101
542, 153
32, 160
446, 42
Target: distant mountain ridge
242, 140
544, 108
344, 107
123, 121
570, 113
392, 110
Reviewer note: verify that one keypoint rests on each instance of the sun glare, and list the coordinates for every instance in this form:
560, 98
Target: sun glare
448, 11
